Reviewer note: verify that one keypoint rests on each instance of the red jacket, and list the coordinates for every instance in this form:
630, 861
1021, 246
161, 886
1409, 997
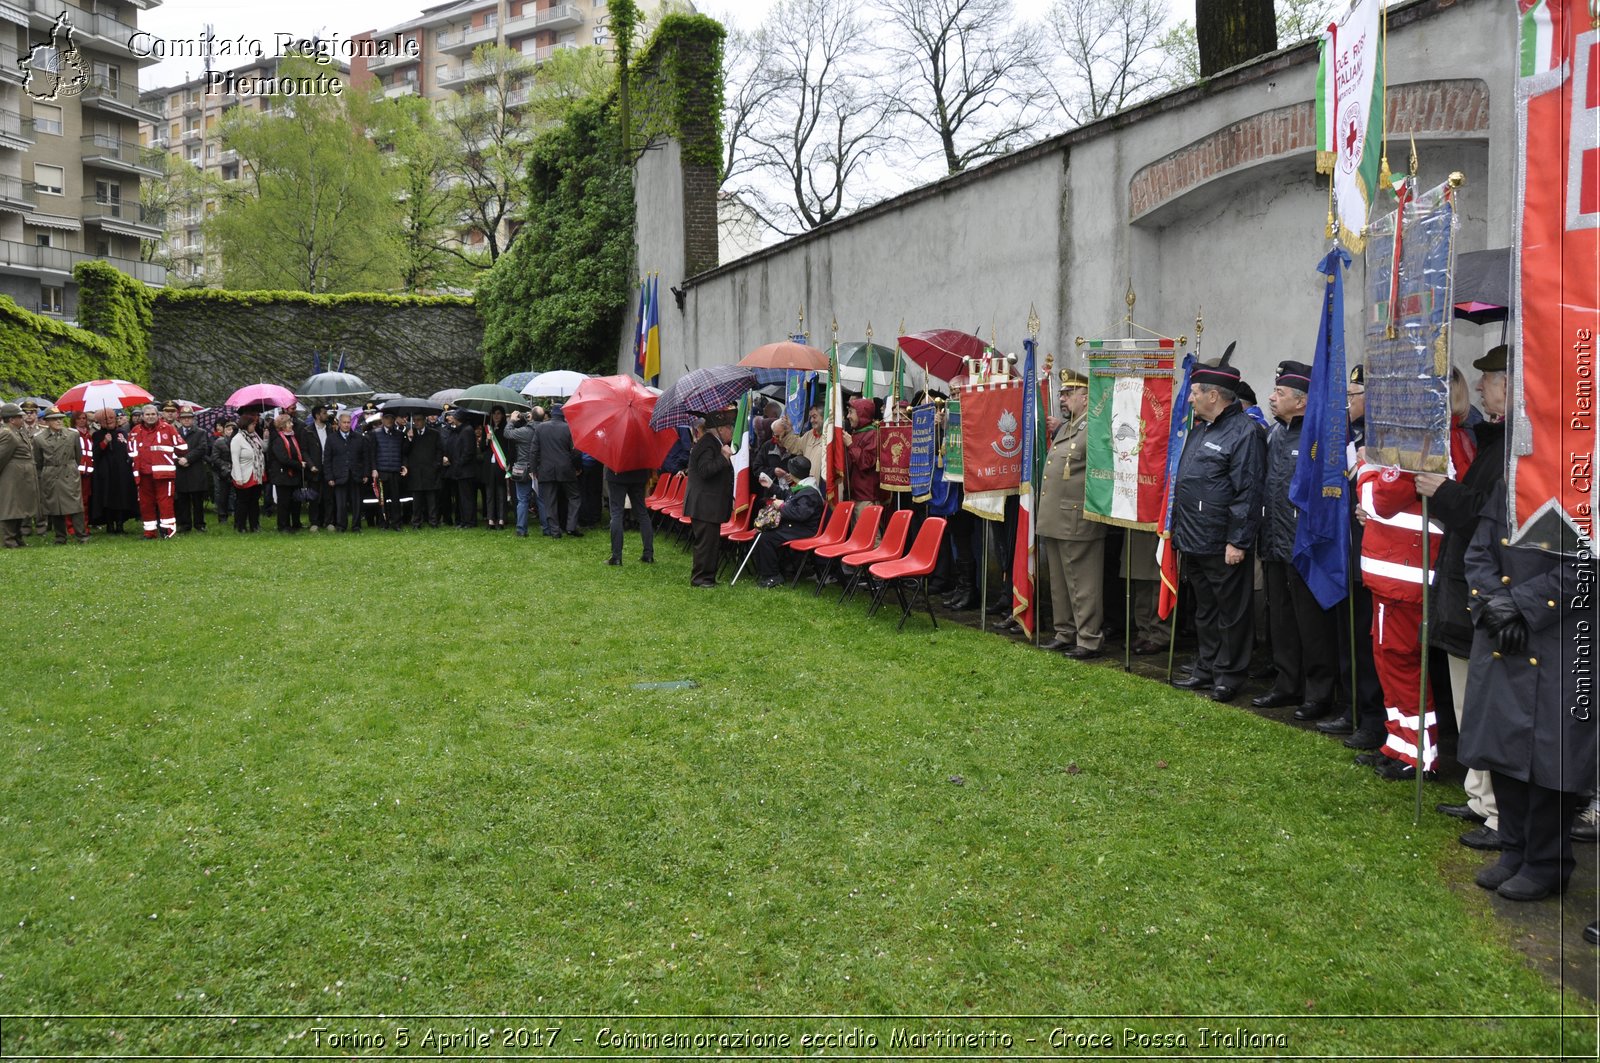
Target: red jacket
155, 450
85, 453
1391, 544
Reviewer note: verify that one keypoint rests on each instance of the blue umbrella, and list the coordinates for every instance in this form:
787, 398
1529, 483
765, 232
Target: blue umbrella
517, 381
700, 391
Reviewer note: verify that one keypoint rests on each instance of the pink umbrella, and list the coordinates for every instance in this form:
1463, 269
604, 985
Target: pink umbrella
261, 396
610, 421
99, 395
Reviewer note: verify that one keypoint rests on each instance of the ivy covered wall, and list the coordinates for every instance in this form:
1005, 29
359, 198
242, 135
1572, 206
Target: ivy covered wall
42, 356
205, 343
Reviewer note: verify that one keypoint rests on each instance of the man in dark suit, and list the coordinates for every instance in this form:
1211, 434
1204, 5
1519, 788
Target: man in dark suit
193, 482
708, 499
313, 436
555, 467
344, 472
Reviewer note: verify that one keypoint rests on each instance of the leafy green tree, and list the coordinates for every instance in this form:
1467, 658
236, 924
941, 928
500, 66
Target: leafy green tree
557, 298
490, 131
421, 160
179, 194
315, 210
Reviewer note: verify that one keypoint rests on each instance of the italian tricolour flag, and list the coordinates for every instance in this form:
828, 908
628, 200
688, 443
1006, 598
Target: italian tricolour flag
1349, 114
1130, 408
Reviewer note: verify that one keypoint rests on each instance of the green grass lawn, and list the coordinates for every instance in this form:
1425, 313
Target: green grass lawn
415, 774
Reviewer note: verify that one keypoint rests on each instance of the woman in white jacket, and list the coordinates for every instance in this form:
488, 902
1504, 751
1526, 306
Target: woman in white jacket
249, 450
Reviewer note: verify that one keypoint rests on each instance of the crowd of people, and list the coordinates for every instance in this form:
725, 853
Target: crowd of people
1493, 611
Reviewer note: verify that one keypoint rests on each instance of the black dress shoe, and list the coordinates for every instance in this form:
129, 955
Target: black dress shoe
1370, 759
1272, 699
1058, 644
1524, 887
1224, 692
1264, 671
1192, 682
1483, 838
1339, 725
1083, 653
1494, 876
1459, 812
1591, 933
1366, 738
1144, 648
1311, 710
613, 560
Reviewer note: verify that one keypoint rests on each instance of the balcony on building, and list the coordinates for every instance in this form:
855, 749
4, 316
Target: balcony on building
93, 28
35, 261
400, 88
464, 40
14, 132
9, 68
113, 153
16, 195
559, 17
124, 218
465, 75
118, 98
543, 53
377, 64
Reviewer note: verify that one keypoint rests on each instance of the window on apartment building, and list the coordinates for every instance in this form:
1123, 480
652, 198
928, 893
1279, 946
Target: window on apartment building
102, 248
47, 118
211, 151
51, 180
492, 18
52, 300
175, 103
176, 131
42, 240
530, 46
107, 192
108, 74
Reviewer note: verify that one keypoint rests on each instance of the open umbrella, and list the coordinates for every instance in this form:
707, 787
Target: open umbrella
940, 351
854, 359
324, 388
786, 354
42, 403
447, 396
1483, 285
716, 387
516, 380
207, 420
261, 397
610, 421
99, 395
410, 406
481, 398
556, 383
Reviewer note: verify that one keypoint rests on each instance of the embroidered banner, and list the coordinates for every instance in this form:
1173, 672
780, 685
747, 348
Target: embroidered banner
991, 437
894, 457
924, 420
1130, 416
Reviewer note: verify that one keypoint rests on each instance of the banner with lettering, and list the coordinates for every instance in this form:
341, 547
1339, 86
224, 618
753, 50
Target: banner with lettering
1553, 492
924, 422
894, 457
1130, 419
991, 437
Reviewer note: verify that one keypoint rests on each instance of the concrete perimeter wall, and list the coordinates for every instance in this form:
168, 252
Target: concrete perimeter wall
1205, 199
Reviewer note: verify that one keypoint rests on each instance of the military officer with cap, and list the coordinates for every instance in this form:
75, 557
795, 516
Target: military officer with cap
33, 524
1215, 514
1074, 547
19, 481
55, 456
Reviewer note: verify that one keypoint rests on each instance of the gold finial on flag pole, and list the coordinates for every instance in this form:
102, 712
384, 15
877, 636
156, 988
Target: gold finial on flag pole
836, 330
801, 326
869, 338
1033, 322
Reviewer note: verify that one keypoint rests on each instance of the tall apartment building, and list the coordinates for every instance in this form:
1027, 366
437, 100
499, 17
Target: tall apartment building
70, 159
184, 122
447, 34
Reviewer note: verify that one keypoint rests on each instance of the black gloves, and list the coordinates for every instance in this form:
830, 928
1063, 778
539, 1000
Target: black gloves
1502, 619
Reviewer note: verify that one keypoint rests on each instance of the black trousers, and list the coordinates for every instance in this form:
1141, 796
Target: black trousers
1223, 617
391, 492
189, 507
347, 504
466, 503
772, 546
548, 489
1535, 825
1305, 637
629, 493
705, 536
325, 508
425, 508
288, 509
247, 508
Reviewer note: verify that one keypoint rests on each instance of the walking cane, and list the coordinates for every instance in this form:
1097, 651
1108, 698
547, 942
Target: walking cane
748, 555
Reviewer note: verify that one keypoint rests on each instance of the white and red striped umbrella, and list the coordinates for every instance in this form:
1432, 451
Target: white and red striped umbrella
99, 395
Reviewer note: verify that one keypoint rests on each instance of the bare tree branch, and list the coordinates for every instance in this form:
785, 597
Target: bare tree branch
1110, 55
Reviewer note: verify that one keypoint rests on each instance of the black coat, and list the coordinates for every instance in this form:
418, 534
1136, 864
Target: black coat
113, 495
1518, 718
461, 447
284, 468
193, 476
220, 455
311, 446
386, 449
344, 459
709, 495
1217, 502
802, 510
425, 460
1456, 506
1279, 515
554, 459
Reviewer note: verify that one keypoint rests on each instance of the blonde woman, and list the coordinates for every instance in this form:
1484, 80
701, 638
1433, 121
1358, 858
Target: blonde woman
249, 452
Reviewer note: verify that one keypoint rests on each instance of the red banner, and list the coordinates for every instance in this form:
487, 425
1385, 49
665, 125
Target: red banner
991, 437
894, 457
1551, 446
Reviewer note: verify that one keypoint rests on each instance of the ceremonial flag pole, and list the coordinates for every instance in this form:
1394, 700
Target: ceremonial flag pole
1024, 557
1166, 552
1422, 693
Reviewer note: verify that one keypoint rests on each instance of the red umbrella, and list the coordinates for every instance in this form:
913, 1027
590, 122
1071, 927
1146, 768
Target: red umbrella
786, 355
610, 421
103, 395
940, 350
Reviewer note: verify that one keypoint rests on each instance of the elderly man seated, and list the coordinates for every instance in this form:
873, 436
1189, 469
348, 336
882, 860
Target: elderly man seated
799, 503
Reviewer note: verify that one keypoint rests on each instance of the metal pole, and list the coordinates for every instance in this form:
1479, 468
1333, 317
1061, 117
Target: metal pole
1350, 617
983, 580
1127, 600
1422, 694
1172, 639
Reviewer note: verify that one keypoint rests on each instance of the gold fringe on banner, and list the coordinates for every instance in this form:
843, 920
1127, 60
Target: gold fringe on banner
1326, 160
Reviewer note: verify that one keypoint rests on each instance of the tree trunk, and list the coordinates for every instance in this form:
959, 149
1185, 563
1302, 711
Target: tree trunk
1231, 32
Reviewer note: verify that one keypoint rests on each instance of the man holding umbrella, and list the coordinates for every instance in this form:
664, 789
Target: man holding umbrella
708, 499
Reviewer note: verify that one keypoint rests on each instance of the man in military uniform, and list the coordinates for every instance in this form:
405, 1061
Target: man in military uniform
19, 483
55, 456
1216, 509
1073, 546
34, 524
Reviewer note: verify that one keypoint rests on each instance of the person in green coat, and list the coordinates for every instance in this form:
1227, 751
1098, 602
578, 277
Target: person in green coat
19, 480
55, 459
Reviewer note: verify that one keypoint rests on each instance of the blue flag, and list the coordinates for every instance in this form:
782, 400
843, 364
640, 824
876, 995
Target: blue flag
796, 393
640, 324
316, 362
1319, 488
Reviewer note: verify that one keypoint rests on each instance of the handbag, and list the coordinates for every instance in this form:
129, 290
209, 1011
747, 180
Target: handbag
519, 473
770, 515
307, 494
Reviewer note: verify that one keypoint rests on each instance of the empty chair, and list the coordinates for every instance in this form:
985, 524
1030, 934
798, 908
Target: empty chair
890, 549
836, 531
911, 571
861, 538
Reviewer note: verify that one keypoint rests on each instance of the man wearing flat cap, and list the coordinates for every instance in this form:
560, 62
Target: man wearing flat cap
1215, 514
55, 457
1074, 546
19, 482
708, 498
34, 524
1305, 637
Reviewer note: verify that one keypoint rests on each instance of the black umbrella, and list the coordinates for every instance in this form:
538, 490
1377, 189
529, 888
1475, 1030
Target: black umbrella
1483, 285
411, 406
324, 388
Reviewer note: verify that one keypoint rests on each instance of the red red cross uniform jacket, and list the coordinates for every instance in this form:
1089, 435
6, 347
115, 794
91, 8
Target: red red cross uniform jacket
155, 451
85, 470
1391, 568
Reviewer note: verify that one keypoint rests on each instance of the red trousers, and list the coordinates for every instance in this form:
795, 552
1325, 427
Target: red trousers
1396, 650
155, 507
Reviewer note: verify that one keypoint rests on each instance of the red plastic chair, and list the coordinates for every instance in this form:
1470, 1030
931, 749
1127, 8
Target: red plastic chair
671, 486
913, 570
739, 522
837, 530
658, 490
862, 536
672, 508
890, 549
